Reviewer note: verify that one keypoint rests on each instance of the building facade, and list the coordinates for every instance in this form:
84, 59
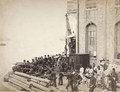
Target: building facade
99, 29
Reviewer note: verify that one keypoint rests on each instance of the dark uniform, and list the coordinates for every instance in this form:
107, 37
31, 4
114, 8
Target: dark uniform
61, 78
76, 81
53, 78
113, 83
113, 78
92, 84
70, 81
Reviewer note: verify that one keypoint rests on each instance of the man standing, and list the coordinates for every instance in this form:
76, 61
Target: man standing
113, 78
76, 80
92, 83
70, 80
53, 78
61, 78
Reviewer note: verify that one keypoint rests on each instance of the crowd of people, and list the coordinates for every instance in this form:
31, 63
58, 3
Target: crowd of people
52, 66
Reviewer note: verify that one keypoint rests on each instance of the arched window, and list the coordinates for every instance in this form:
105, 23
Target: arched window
91, 39
117, 41
90, 4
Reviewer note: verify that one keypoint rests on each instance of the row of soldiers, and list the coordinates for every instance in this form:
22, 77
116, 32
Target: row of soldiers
40, 65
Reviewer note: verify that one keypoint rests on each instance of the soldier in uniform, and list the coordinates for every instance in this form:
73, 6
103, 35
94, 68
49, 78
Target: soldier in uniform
27, 66
70, 80
92, 84
76, 80
113, 78
53, 78
61, 78
45, 60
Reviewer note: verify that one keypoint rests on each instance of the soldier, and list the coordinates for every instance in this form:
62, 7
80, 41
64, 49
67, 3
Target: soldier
99, 76
24, 61
45, 60
50, 59
27, 66
113, 78
36, 58
53, 78
92, 83
61, 78
76, 80
70, 80
24, 65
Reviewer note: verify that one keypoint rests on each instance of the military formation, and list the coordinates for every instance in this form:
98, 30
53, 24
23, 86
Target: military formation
52, 66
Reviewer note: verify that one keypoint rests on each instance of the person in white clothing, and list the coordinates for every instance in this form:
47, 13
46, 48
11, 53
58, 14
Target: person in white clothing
105, 78
99, 77
81, 71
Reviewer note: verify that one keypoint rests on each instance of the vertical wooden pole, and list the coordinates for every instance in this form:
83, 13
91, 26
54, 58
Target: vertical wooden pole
77, 35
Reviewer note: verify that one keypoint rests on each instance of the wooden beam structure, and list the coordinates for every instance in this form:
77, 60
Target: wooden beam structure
32, 77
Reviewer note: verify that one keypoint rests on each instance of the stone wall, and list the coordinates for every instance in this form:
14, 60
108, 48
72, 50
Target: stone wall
104, 17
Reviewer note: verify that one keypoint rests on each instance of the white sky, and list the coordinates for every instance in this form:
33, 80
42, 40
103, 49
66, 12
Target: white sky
31, 28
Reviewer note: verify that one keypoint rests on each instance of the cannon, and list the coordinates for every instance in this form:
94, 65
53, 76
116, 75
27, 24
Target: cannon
34, 69
18, 67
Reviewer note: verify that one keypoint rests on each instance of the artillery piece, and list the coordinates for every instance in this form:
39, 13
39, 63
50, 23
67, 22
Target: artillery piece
34, 69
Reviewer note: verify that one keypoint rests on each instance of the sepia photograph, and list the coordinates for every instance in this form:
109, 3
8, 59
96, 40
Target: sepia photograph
60, 45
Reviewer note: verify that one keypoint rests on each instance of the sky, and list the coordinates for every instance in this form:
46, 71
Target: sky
31, 28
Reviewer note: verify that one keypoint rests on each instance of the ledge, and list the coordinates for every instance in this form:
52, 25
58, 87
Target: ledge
92, 9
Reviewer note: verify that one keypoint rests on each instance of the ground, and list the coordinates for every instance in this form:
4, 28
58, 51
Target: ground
81, 87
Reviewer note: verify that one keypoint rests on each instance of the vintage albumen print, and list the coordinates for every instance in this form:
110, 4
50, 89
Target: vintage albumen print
60, 45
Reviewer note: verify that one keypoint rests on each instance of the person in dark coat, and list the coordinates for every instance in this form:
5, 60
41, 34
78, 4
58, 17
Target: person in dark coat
113, 78
92, 84
70, 80
113, 83
114, 74
53, 78
76, 80
61, 78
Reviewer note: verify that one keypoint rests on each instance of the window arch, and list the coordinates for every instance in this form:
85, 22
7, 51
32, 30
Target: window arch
91, 35
90, 4
117, 41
